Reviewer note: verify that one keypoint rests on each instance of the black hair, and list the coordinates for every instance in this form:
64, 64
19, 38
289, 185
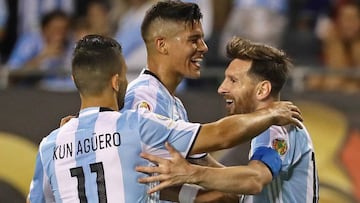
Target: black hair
95, 60
171, 10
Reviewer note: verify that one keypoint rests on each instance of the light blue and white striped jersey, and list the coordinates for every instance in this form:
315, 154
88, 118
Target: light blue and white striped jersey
146, 91
298, 178
92, 158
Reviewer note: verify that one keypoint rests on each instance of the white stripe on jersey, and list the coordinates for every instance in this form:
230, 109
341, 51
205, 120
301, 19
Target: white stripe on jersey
111, 162
67, 185
49, 197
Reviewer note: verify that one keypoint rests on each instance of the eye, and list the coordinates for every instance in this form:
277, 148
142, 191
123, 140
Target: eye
194, 41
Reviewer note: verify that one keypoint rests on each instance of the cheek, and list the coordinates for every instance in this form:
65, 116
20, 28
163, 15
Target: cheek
244, 101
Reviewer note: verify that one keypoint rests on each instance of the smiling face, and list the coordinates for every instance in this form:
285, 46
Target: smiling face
186, 48
238, 88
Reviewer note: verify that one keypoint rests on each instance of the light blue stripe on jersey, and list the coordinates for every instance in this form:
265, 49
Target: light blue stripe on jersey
129, 157
48, 153
85, 129
36, 194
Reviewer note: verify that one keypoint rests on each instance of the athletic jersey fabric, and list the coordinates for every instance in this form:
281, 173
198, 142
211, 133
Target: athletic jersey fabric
298, 178
146, 91
92, 158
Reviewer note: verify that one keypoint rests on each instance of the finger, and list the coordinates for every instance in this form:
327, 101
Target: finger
159, 187
295, 109
152, 158
173, 152
148, 169
297, 116
297, 123
65, 120
149, 179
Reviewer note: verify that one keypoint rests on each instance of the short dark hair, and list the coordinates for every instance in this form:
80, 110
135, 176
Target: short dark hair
95, 60
268, 63
170, 10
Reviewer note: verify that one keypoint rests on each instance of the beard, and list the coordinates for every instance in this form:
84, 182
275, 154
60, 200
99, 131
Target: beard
121, 95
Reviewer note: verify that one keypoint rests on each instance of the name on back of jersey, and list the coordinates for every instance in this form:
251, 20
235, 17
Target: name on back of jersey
86, 145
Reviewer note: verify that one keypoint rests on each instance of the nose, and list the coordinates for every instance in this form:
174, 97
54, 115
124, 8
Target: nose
222, 89
202, 46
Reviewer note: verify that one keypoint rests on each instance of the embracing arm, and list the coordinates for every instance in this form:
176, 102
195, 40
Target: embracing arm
236, 129
247, 179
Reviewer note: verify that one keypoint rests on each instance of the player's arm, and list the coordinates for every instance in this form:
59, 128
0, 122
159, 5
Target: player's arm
40, 189
235, 129
250, 179
208, 160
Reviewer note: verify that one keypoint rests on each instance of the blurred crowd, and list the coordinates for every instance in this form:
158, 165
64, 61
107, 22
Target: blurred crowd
37, 36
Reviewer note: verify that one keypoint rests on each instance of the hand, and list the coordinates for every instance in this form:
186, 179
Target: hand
175, 171
65, 120
285, 112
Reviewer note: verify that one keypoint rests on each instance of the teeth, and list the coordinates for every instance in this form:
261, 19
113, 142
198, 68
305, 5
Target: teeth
197, 60
229, 101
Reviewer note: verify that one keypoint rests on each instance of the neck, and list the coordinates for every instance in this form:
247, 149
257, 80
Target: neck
99, 101
166, 75
267, 102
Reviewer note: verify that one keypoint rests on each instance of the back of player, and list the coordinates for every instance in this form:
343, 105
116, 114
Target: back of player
298, 179
92, 158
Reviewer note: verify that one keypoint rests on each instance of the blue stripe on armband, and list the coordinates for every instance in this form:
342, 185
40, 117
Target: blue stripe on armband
270, 158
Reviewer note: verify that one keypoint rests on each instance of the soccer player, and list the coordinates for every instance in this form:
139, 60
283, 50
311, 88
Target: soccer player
253, 80
175, 45
92, 157
174, 39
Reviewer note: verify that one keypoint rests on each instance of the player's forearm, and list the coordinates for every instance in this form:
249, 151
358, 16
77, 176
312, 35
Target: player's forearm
208, 160
232, 130
239, 179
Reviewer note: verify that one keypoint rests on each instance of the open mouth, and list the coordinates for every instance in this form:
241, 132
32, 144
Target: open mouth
229, 102
197, 61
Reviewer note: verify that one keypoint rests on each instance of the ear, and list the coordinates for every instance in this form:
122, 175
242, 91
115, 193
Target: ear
161, 46
263, 90
115, 81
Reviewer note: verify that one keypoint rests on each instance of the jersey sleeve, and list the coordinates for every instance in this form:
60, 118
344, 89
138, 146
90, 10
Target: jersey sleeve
156, 129
275, 137
40, 189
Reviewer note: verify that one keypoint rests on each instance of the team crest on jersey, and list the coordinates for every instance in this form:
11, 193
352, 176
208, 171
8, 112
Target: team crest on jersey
280, 146
145, 105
